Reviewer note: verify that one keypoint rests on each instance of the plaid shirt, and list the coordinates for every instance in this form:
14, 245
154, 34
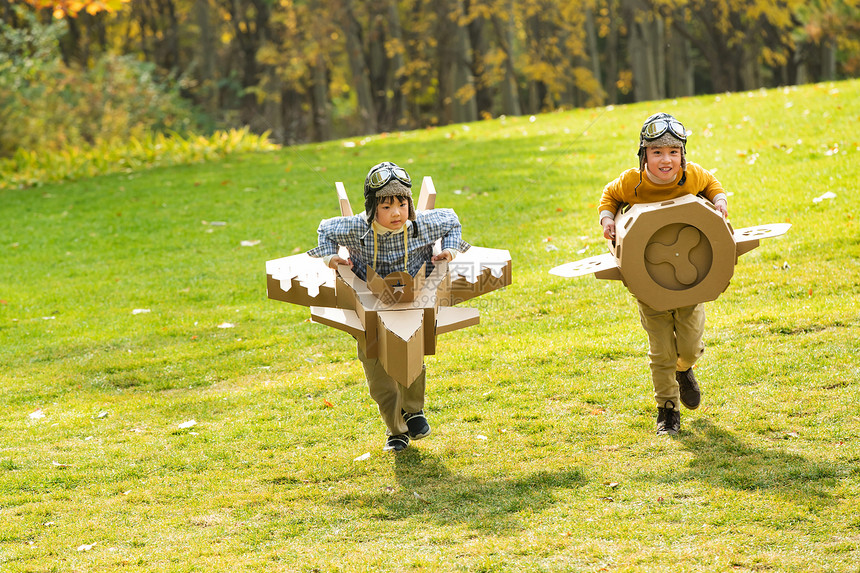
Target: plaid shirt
356, 235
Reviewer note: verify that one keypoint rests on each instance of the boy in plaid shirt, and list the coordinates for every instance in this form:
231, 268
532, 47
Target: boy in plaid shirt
389, 237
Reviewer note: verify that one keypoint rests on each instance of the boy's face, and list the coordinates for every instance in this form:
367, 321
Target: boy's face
664, 163
392, 212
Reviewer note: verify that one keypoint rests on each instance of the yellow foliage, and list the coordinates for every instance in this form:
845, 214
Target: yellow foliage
465, 93
71, 8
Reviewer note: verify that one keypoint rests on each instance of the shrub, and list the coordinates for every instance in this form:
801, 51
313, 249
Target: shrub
29, 168
48, 106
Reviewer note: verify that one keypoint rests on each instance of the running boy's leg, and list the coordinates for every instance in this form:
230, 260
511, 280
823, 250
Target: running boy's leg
662, 353
391, 397
689, 328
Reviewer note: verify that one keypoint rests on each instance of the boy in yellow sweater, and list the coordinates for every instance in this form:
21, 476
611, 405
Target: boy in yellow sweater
674, 336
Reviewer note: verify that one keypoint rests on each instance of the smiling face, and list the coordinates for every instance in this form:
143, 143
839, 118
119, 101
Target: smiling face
663, 163
392, 212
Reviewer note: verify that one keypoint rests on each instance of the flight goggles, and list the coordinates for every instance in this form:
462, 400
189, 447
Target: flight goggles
381, 176
659, 127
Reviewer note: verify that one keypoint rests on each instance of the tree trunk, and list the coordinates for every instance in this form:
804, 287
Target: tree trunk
828, 59
593, 50
465, 107
397, 67
641, 40
205, 48
610, 81
480, 46
320, 100
446, 59
679, 81
358, 67
505, 38
377, 63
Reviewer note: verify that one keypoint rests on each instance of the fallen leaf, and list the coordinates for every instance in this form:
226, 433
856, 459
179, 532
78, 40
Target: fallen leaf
362, 457
826, 195
103, 414
327, 403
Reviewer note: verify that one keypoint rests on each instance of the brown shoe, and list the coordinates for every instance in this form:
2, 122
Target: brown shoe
668, 419
689, 387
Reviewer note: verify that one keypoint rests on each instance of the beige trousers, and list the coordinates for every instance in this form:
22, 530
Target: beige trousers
391, 397
675, 343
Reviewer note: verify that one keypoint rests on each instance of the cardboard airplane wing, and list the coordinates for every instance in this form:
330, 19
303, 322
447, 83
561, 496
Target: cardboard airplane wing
301, 279
595, 264
673, 253
394, 318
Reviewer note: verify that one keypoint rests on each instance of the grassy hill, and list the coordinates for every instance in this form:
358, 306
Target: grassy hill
130, 307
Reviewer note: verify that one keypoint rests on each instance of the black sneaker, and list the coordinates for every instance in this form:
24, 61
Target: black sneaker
396, 443
668, 420
689, 387
417, 424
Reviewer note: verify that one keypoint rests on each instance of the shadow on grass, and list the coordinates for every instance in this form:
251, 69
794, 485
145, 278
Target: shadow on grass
724, 460
429, 489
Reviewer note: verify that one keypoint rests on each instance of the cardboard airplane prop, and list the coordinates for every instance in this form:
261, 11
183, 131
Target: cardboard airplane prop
395, 318
673, 253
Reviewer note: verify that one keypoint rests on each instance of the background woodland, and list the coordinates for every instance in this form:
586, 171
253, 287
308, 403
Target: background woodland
317, 70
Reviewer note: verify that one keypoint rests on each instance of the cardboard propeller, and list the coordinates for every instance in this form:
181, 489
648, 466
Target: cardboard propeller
395, 318
673, 253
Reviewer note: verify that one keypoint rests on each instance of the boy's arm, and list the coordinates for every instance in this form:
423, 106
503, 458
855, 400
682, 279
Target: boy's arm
713, 190
328, 245
446, 225
610, 201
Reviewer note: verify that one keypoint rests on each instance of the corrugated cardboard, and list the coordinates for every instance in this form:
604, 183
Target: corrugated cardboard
673, 253
300, 279
396, 287
401, 344
394, 318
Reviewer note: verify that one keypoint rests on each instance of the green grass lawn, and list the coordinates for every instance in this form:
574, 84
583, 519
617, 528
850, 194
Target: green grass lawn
129, 308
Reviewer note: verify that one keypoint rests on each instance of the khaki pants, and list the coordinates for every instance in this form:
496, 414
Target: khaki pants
675, 343
391, 397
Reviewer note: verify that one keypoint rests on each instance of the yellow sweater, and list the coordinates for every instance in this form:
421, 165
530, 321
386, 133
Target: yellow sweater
621, 190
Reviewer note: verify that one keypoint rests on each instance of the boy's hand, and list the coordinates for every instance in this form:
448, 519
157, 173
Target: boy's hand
723, 207
337, 260
444, 255
608, 227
